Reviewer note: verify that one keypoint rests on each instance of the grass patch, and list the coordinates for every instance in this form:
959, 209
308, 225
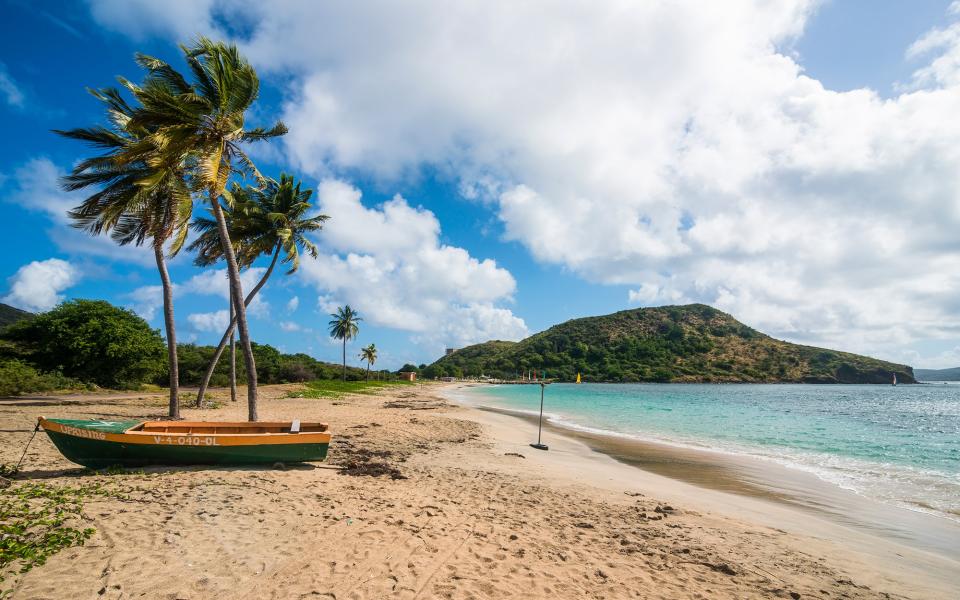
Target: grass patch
338, 389
38, 520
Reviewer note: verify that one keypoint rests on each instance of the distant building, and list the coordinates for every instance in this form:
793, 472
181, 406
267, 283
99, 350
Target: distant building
408, 375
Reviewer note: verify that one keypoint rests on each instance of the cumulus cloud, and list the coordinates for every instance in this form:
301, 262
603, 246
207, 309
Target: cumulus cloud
146, 300
388, 263
214, 282
35, 186
36, 286
674, 148
182, 20
213, 322
293, 303
289, 326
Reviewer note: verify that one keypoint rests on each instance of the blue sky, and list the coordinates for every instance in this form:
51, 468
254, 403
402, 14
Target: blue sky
491, 172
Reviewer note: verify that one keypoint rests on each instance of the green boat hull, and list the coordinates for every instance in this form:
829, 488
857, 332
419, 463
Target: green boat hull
100, 454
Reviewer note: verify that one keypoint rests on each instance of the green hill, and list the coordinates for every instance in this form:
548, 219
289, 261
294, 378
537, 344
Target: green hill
691, 343
938, 374
10, 315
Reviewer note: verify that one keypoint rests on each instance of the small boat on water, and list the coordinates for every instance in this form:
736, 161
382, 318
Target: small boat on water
98, 444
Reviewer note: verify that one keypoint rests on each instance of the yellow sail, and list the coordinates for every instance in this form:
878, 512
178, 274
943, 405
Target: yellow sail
578, 377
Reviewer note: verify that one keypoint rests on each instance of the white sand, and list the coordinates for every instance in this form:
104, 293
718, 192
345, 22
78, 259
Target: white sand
469, 521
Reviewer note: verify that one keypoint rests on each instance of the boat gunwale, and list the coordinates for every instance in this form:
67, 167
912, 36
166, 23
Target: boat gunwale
154, 437
140, 428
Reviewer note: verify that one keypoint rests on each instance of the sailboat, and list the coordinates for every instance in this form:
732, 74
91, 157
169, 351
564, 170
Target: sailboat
894, 379
578, 377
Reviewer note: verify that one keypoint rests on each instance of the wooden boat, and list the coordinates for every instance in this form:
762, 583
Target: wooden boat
101, 444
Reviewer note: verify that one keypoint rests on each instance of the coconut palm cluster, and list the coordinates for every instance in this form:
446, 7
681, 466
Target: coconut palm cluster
171, 158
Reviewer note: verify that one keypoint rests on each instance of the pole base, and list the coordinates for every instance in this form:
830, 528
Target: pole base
540, 446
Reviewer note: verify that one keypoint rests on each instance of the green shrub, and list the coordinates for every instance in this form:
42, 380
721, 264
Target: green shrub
18, 377
93, 341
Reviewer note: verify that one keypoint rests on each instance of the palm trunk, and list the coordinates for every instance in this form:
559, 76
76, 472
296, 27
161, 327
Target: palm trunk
171, 330
228, 334
233, 359
368, 371
236, 293
344, 378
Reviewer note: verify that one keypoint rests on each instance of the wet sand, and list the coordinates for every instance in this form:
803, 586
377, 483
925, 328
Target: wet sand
770, 481
461, 507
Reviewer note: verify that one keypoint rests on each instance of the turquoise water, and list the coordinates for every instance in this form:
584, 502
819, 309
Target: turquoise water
894, 444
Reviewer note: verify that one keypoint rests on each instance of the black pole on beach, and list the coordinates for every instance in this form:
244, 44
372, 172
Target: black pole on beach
538, 445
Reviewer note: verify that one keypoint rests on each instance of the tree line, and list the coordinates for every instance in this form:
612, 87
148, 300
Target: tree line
93, 344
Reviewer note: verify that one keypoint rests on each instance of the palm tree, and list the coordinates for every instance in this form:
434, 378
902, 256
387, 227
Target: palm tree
344, 326
369, 354
138, 199
204, 119
264, 221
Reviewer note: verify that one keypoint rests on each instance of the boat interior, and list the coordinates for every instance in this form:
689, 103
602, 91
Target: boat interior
237, 428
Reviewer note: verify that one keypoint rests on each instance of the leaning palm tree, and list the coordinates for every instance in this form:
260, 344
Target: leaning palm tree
268, 221
344, 326
369, 354
204, 119
146, 198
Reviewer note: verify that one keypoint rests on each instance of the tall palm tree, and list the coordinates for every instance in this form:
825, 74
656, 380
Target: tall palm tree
369, 354
344, 326
137, 199
204, 119
268, 221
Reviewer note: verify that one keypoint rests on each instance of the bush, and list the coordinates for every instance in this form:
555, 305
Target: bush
93, 341
18, 377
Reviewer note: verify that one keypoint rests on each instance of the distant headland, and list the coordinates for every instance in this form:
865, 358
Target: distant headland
689, 343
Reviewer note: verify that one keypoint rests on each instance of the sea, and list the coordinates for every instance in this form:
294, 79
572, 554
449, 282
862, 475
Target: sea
898, 445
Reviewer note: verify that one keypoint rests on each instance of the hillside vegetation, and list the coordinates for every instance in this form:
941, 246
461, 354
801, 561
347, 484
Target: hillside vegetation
10, 315
691, 343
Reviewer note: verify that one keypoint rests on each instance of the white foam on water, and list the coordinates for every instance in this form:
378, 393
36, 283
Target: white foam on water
911, 488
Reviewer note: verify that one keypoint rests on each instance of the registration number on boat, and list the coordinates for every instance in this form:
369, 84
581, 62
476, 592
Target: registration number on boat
183, 440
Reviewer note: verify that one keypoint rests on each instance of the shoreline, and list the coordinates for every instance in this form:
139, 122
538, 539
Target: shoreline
424, 498
733, 485
752, 475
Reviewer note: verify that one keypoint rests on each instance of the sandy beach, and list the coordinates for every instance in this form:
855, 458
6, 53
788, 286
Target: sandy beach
439, 500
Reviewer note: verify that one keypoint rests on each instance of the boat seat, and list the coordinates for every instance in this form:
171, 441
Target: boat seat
295, 426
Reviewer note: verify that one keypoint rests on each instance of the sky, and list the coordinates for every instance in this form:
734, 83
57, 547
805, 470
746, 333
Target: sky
493, 168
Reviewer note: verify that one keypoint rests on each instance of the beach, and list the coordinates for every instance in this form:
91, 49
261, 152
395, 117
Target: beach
439, 500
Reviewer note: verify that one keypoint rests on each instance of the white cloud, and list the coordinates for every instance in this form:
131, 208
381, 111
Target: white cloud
180, 19
944, 359
388, 263
655, 294
671, 147
327, 304
214, 322
146, 300
213, 282
9, 88
35, 186
293, 303
36, 286
289, 326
